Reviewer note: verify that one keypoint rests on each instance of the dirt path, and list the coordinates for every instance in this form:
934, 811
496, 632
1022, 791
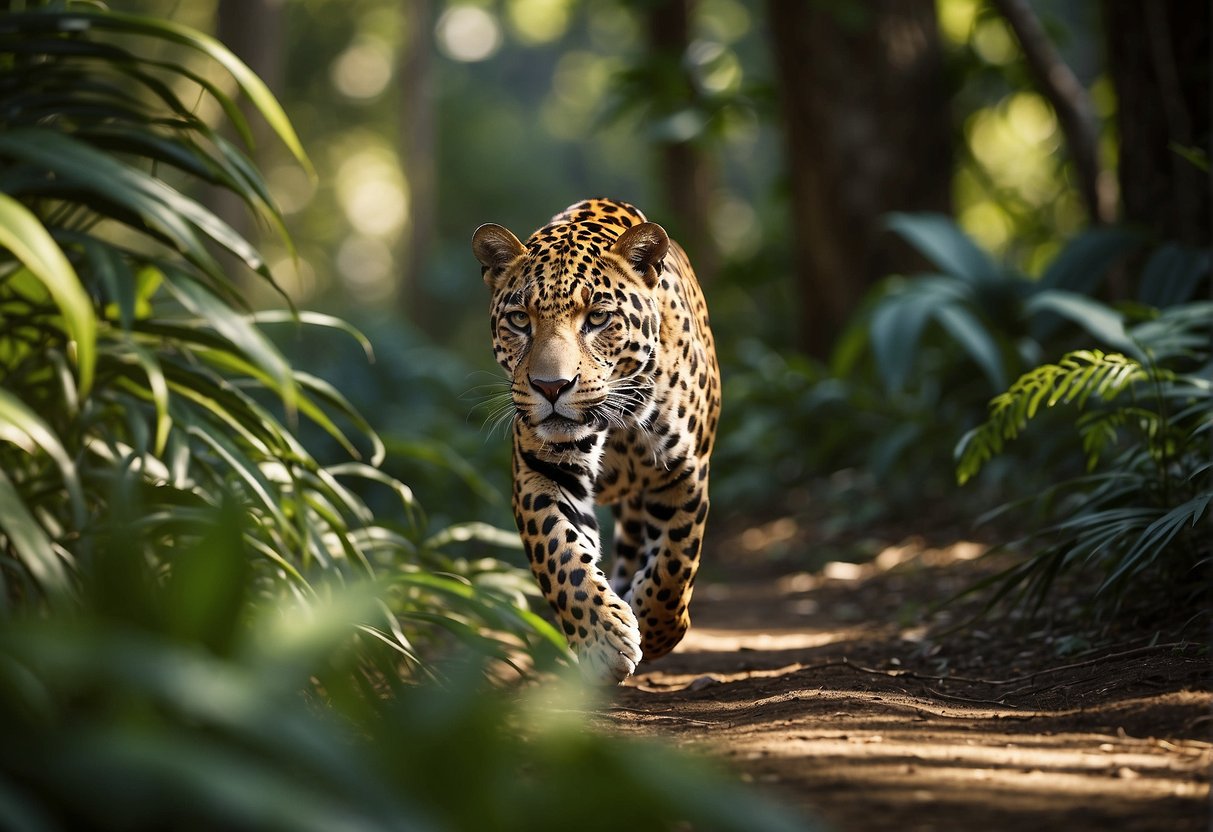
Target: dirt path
829, 690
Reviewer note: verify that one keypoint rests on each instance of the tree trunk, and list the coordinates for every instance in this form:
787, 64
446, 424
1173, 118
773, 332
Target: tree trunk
253, 30
1070, 100
1158, 56
685, 175
867, 132
417, 149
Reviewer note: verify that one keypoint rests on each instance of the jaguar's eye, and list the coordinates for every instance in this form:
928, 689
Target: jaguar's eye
519, 320
597, 318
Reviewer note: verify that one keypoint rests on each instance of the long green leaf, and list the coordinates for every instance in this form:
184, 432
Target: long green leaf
943, 243
242, 334
26, 429
1101, 321
252, 86
976, 340
29, 540
23, 235
154, 201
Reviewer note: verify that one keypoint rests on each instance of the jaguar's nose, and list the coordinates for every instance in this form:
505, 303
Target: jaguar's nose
553, 388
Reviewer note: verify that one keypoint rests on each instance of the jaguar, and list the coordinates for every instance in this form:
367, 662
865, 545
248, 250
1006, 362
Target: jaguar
601, 326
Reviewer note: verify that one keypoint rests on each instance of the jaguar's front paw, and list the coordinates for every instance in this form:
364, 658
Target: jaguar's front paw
609, 652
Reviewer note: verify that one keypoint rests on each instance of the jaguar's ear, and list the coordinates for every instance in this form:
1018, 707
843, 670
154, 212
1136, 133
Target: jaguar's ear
643, 246
495, 247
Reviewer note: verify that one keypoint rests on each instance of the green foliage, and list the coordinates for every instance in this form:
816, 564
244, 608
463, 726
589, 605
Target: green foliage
923, 337
1077, 377
127, 363
205, 624
1137, 375
183, 703
1144, 426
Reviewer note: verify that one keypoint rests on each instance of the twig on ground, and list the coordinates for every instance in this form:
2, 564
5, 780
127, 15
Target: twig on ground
672, 718
1027, 677
1001, 703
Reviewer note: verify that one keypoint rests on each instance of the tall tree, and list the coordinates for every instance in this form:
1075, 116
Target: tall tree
1158, 57
685, 173
1070, 100
418, 146
867, 132
253, 30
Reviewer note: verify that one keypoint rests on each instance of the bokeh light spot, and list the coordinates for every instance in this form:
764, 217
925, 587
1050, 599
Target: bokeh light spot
363, 70
956, 18
1032, 118
538, 21
468, 33
988, 224
366, 267
724, 20
372, 193
291, 187
993, 43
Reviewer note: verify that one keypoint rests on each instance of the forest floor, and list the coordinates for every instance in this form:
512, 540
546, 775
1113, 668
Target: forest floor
840, 692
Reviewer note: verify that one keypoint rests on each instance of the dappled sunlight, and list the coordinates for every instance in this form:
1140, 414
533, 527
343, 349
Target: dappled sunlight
363, 70
816, 686
707, 640
468, 33
536, 22
371, 188
881, 755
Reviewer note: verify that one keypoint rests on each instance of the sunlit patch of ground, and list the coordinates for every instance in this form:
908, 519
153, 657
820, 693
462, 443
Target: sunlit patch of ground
820, 687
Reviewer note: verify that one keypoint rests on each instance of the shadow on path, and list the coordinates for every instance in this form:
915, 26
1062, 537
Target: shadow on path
825, 691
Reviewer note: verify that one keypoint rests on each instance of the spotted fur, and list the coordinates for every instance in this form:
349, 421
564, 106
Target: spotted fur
601, 325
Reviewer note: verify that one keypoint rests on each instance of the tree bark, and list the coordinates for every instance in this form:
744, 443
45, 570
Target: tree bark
1070, 101
684, 171
417, 151
867, 132
253, 30
1158, 56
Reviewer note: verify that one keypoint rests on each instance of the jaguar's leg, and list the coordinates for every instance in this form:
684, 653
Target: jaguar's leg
629, 543
661, 589
554, 509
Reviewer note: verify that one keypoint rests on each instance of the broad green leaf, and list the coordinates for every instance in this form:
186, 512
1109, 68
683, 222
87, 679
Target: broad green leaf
360, 469
1172, 274
252, 476
158, 387
976, 340
895, 330
282, 316
943, 243
1084, 262
480, 532
160, 206
1096, 318
227, 360
23, 235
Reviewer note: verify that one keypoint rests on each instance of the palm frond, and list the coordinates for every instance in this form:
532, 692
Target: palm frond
1078, 376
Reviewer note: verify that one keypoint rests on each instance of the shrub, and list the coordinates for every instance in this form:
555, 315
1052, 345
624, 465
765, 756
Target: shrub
1143, 422
129, 365
186, 704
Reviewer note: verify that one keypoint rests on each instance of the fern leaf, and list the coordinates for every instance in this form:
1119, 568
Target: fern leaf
1072, 380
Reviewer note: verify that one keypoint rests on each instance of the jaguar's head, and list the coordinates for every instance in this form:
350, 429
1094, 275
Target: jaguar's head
575, 321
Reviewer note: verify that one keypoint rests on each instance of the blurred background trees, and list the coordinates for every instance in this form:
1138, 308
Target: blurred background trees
775, 139
772, 137
792, 146
941, 241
